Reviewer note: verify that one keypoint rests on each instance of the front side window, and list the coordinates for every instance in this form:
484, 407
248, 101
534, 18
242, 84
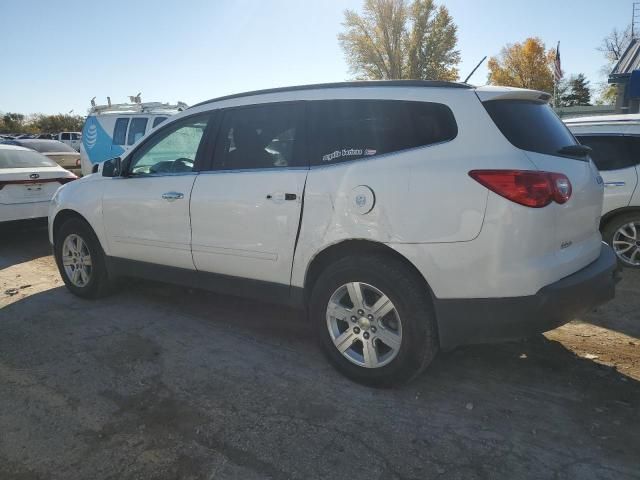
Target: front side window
136, 130
345, 130
611, 152
263, 136
120, 131
65, 136
171, 150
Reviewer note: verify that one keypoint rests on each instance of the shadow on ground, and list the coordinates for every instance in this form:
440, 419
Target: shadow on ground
165, 382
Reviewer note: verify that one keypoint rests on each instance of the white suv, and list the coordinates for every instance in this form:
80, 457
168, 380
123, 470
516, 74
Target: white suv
615, 140
404, 216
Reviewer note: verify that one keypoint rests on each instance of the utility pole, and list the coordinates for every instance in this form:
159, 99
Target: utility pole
635, 19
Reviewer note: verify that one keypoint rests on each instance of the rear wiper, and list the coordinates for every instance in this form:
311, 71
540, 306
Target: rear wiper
575, 150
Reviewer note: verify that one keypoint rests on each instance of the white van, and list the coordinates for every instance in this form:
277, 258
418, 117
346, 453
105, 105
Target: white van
72, 139
110, 130
615, 140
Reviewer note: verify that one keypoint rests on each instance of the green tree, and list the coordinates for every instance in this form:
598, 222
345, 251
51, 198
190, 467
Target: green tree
13, 122
579, 92
525, 65
393, 39
58, 123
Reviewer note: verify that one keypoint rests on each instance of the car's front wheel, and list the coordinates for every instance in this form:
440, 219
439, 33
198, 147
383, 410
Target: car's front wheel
80, 259
374, 318
623, 234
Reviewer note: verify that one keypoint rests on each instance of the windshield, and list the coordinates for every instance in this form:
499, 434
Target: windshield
530, 125
10, 158
48, 146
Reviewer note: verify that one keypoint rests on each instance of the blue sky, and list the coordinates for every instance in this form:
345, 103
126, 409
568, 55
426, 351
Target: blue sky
57, 55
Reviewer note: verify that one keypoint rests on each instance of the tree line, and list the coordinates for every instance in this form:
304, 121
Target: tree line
40, 123
418, 39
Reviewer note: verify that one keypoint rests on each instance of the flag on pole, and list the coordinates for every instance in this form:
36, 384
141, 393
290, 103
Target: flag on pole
557, 67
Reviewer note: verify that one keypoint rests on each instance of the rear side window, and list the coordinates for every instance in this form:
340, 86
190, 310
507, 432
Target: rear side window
10, 158
120, 131
264, 136
65, 136
612, 152
345, 130
136, 130
157, 121
530, 125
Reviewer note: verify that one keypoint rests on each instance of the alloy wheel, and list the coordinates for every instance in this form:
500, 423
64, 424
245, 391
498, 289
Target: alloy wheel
364, 325
76, 260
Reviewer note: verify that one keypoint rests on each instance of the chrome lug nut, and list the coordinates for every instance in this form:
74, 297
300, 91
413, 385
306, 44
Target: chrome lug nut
366, 335
370, 317
356, 330
374, 329
360, 312
354, 319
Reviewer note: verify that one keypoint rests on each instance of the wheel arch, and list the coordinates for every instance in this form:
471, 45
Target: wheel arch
346, 248
607, 217
66, 214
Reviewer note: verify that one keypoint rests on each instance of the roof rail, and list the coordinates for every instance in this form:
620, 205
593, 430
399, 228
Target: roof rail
137, 107
354, 84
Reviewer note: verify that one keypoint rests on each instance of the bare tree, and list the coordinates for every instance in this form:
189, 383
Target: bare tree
614, 44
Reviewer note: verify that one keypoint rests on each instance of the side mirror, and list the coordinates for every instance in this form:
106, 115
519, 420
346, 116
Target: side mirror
112, 167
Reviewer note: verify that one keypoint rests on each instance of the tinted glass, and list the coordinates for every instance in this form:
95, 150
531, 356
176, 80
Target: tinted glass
171, 150
49, 146
120, 131
612, 152
531, 126
158, 120
23, 159
136, 130
258, 137
346, 130
75, 136
65, 136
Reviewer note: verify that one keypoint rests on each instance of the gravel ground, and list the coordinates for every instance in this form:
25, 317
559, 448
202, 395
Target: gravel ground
164, 382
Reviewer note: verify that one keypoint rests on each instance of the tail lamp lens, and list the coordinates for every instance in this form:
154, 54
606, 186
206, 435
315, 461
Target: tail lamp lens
529, 188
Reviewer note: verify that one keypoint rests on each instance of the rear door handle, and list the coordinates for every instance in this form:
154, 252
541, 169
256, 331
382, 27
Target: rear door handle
281, 196
614, 184
171, 196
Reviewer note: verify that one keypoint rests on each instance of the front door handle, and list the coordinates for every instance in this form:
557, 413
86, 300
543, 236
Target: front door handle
171, 196
614, 184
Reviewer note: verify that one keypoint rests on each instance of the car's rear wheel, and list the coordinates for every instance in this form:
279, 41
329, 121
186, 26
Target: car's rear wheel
374, 318
80, 259
623, 234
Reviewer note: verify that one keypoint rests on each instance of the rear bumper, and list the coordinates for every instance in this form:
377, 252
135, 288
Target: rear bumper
23, 211
484, 320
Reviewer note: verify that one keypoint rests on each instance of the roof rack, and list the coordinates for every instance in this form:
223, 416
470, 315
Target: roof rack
354, 84
137, 107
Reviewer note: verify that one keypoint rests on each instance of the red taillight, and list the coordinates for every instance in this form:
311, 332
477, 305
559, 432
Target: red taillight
78, 162
529, 188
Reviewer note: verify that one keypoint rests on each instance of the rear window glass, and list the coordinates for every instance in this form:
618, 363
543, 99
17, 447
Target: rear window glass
23, 159
50, 146
136, 130
120, 131
612, 152
529, 125
345, 130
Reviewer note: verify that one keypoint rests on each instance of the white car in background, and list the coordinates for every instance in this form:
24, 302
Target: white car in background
615, 140
28, 181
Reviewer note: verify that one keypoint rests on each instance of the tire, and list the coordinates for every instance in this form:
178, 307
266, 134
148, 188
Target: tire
412, 318
98, 283
615, 231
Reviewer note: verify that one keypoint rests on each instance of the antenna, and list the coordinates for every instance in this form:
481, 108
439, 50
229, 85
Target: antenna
635, 19
477, 66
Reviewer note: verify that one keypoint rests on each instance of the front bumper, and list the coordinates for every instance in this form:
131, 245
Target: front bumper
485, 320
